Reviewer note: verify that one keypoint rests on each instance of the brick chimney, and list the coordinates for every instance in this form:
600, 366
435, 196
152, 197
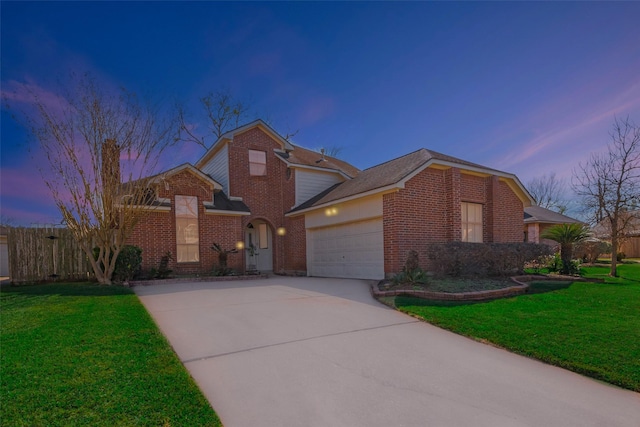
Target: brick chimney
110, 163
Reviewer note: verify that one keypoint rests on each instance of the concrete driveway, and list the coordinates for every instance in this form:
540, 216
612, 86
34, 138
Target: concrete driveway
290, 351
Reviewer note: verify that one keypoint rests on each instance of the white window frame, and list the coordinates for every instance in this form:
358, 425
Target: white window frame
472, 220
187, 229
257, 163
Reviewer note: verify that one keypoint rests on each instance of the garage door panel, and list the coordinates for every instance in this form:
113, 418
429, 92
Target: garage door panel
354, 250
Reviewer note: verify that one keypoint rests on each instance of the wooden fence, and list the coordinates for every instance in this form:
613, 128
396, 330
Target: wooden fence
45, 254
631, 247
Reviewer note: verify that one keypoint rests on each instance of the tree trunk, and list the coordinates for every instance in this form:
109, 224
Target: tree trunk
566, 254
614, 253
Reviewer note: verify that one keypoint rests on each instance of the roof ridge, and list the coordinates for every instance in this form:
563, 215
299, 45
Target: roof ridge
394, 159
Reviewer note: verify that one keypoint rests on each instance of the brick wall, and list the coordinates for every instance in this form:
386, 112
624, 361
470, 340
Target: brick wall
269, 197
156, 232
428, 210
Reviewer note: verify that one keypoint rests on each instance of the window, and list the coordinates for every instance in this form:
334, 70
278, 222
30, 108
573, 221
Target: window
187, 235
257, 163
264, 237
471, 222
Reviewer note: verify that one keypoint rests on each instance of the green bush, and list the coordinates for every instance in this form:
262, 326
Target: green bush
463, 259
590, 250
554, 263
128, 263
411, 272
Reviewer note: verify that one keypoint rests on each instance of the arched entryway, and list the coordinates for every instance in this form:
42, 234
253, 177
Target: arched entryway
258, 241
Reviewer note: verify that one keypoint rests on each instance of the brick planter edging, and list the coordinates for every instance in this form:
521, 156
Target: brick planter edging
520, 288
196, 279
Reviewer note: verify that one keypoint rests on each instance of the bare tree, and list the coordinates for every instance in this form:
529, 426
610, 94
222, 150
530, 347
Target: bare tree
609, 184
7, 221
93, 137
223, 113
548, 192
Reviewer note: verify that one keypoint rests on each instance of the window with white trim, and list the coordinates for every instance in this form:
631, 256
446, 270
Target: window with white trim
471, 222
257, 163
187, 235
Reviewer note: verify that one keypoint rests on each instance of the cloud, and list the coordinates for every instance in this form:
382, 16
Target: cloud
316, 109
26, 97
566, 138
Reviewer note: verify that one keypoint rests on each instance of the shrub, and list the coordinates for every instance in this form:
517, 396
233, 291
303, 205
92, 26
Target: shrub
554, 263
621, 256
221, 269
483, 259
590, 250
163, 270
128, 263
411, 272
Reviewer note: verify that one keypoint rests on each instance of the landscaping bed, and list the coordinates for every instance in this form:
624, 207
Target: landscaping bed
453, 289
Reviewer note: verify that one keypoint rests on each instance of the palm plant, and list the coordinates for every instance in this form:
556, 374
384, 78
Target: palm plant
566, 235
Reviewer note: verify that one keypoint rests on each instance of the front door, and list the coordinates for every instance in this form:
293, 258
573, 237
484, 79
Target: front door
258, 236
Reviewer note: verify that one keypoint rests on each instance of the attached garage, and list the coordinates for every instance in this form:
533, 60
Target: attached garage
352, 250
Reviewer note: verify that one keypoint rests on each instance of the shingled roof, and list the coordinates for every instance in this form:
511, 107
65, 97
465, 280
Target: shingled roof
305, 157
388, 174
534, 214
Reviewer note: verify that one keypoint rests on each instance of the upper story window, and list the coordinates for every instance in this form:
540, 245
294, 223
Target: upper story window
187, 235
471, 222
257, 163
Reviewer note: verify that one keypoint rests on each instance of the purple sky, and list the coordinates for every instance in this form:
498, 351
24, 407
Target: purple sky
528, 88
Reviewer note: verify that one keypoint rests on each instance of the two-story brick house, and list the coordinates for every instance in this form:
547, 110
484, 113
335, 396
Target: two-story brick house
308, 213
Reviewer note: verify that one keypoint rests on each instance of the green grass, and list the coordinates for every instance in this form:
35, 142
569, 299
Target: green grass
590, 328
88, 355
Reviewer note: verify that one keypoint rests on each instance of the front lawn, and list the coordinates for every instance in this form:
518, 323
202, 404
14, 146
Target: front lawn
89, 355
590, 328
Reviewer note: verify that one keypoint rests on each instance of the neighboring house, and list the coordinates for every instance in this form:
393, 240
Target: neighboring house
537, 220
307, 213
630, 242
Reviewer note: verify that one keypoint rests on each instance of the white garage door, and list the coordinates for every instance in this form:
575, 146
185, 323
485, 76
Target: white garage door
354, 250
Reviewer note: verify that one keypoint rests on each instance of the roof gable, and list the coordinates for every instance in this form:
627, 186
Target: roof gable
393, 174
189, 168
228, 136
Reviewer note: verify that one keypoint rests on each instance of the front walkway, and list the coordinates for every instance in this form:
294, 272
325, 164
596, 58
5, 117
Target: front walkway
290, 351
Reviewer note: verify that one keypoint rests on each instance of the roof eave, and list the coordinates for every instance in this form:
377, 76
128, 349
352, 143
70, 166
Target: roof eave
380, 190
314, 168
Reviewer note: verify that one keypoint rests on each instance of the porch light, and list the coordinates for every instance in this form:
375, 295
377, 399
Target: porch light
281, 231
239, 245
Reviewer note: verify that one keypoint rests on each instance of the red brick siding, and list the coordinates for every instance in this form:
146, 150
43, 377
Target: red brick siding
508, 216
295, 247
156, 233
391, 222
269, 197
428, 210
416, 215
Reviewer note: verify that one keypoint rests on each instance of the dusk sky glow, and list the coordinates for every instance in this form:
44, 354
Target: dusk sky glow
524, 87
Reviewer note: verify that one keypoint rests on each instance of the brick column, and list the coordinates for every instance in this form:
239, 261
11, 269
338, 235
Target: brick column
492, 214
452, 185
